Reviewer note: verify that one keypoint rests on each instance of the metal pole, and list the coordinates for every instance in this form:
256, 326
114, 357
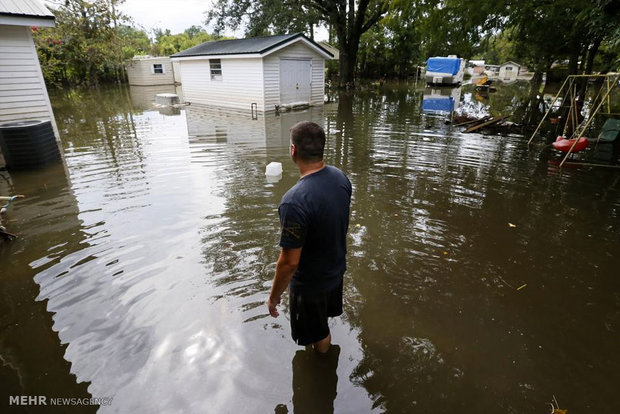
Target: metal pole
548, 111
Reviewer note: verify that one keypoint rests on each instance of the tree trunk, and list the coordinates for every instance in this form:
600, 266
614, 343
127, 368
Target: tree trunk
348, 59
589, 63
347, 70
349, 23
591, 55
573, 61
532, 114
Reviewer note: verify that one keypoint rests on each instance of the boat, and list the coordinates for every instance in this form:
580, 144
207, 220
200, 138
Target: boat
564, 145
444, 70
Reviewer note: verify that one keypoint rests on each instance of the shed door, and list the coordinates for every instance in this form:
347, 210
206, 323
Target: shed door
295, 79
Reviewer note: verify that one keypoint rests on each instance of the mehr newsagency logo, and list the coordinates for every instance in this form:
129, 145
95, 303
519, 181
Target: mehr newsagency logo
44, 400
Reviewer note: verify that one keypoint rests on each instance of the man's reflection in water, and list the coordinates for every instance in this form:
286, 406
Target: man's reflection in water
315, 380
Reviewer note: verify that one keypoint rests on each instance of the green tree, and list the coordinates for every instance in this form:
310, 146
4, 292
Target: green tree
454, 26
90, 45
193, 31
264, 17
497, 48
167, 44
134, 41
413, 30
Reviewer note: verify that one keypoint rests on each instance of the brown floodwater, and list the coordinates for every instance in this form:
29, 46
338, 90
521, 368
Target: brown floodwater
481, 278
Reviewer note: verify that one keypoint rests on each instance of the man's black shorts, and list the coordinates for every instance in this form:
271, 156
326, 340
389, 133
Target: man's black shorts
309, 313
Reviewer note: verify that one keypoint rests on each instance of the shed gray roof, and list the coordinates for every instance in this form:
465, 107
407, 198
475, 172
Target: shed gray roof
251, 45
25, 8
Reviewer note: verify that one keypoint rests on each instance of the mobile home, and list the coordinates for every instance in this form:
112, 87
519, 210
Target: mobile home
256, 74
509, 70
151, 71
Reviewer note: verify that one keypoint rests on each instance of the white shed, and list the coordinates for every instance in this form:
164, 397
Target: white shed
260, 73
509, 70
151, 71
23, 94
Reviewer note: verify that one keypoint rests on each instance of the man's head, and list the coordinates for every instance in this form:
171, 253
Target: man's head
307, 142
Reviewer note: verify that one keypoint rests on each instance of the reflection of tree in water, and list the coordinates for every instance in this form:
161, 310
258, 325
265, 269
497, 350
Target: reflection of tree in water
240, 244
30, 350
103, 122
434, 266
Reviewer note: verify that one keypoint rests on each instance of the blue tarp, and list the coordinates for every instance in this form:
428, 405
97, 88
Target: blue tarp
443, 65
438, 104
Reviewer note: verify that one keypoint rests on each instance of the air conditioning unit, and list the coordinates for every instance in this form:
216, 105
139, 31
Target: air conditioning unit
28, 144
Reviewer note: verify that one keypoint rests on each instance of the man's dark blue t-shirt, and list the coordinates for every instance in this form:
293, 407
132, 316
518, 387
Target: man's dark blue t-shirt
314, 215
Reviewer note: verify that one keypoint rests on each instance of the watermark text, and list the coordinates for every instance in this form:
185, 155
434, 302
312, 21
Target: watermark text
44, 400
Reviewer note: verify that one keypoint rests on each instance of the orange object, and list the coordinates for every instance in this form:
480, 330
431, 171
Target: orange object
564, 145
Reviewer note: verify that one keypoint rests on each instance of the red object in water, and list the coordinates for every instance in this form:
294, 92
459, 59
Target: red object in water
564, 145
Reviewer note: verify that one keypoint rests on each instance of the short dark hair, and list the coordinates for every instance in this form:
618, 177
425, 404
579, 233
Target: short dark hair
309, 139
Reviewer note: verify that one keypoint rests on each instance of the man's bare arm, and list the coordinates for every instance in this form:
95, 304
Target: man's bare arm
285, 269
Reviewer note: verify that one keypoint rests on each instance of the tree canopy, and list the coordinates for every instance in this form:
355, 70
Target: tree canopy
92, 40
375, 38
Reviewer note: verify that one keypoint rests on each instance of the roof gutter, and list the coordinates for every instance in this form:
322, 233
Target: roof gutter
12, 19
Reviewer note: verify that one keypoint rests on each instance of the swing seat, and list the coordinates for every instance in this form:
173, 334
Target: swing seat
564, 145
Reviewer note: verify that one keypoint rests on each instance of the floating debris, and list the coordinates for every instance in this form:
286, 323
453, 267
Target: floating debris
167, 99
463, 120
3, 233
492, 121
555, 407
273, 169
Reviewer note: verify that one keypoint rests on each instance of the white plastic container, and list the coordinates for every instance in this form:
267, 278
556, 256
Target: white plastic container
273, 169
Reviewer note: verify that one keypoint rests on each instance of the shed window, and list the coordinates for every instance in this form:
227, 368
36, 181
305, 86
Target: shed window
508, 67
158, 68
216, 69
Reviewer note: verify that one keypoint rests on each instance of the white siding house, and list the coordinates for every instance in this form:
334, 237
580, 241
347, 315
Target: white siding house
151, 71
257, 73
509, 70
23, 94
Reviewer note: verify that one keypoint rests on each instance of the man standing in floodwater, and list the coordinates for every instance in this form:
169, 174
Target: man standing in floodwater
314, 220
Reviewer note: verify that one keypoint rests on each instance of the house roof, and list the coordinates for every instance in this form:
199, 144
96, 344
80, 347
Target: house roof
510, 62
252, 45
25, 8
25, 13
